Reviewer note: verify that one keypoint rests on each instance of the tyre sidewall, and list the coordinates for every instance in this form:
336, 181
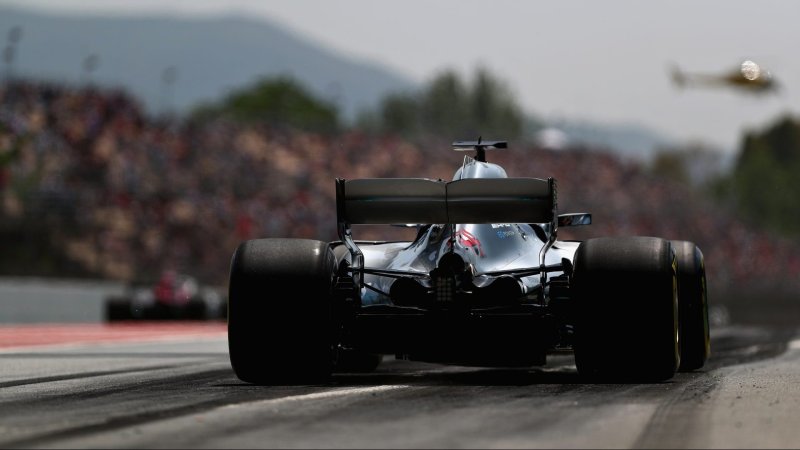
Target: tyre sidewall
625, 292
279, 310
693, 306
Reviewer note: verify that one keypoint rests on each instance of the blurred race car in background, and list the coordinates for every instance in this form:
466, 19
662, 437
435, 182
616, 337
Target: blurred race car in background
174, 296
485, 282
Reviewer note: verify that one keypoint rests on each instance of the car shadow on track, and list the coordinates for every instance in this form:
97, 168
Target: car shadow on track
731, 345
561, 371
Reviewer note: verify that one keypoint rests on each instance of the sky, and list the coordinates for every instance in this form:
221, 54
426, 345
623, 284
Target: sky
606, 62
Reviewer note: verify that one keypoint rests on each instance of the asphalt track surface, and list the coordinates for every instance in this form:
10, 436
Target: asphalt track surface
171, 386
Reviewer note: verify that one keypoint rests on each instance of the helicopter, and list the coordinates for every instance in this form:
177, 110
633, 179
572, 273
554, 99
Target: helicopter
748, 77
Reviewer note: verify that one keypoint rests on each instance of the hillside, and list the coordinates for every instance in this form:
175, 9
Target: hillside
210, 56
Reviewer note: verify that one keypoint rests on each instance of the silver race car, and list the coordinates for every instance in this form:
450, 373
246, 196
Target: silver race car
486, 282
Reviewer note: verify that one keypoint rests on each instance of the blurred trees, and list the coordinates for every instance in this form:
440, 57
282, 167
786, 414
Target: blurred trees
764, 182
449, 106
693, 164
672, 164
761, 183
279, 101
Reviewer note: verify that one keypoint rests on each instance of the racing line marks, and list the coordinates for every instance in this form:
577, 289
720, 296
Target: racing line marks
78, 376
325, 395
142, 421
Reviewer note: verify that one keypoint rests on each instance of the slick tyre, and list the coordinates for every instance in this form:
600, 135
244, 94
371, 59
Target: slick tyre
692, 306
626, 324
279, 311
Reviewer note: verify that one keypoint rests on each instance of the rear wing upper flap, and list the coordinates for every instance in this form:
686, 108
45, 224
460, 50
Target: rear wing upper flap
464, 145
422, 200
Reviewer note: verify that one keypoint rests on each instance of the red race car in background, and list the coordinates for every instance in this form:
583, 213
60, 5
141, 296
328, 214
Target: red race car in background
174, 296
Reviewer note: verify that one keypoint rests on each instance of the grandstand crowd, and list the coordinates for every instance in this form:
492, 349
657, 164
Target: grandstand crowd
127, 194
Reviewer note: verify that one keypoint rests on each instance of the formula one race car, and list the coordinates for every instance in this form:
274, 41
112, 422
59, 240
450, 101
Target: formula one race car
486, 282
174, 296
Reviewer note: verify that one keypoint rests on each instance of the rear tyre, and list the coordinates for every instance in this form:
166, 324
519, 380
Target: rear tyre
275, 338
626, 326
693, 306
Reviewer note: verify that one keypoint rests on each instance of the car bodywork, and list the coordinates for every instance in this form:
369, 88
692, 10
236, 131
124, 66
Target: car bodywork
488, 268
486, 282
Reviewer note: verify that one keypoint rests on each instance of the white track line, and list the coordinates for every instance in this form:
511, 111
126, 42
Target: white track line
316, 396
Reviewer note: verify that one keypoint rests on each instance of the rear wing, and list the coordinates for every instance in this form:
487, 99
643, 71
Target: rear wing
479, 146
421, 200
426, 201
